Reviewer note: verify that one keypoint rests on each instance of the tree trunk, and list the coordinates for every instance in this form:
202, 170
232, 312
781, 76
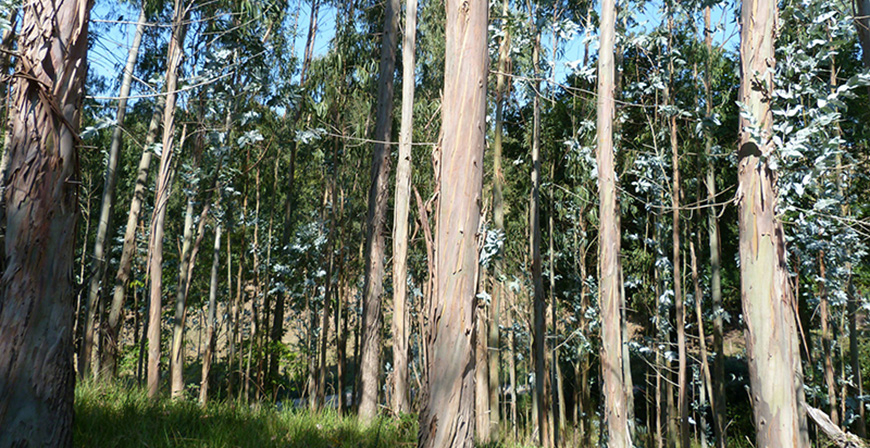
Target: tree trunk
585, 363
498, 221
122, 278
376, 221
447, 417
682, 381
401, 323
481, 370
824, 318
212, 318
329, 289
161, 199
558, 395
542, 379
98, 263
176, 355
277, 331
36, 293
702, 339
775, 370
718, 395
616, 396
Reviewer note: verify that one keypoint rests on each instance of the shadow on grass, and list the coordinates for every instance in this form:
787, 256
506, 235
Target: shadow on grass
114, 416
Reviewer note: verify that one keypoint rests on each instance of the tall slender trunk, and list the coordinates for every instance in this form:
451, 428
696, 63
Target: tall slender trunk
128, 251
498, 221
98, 262
176, 354
706, 383
718, 395
542, 379
230, 317
277, 330
775, 370
447, 416
682, 381
212, 318
481, 363
558, 396
237, 347
512, 374
376, 220
161, 199
585, 363
329, 289
616, 396
36, 292
857, 381
401, 323
824, 318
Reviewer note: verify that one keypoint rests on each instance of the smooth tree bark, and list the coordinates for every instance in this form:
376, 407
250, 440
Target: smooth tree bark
212, 318
128, 250
37, 299
539, 352
481, 363
447, 417
775, 370
682, 381
373, 289
718, 375
98, 261
401, 317
616, 396
176, 353
706, 383
161, 198
498, 222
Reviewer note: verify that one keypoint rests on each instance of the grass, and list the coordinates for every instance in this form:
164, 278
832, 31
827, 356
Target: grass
113, 415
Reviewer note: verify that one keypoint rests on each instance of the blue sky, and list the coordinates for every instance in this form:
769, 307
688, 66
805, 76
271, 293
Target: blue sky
114, 39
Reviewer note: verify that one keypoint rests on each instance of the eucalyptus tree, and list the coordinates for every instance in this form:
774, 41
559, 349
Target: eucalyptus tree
370, 364
128, 249
775, 370
676, 187
539, 353
40, 192
404, 168
611, 300
98, 261
447, 418
713, 235
816, 128
165, 176
498, 216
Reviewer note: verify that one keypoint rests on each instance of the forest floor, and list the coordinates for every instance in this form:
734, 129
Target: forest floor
119, 415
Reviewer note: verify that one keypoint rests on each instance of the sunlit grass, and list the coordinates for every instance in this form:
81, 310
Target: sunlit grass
120, 416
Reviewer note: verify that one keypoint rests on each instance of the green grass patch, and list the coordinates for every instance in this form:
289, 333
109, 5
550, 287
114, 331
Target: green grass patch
114, 415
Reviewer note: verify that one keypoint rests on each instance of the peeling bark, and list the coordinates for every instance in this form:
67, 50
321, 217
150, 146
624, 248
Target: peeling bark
616, 396
769, 310
447, 418
36, 292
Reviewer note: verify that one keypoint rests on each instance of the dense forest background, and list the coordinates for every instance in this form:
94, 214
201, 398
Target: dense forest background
260, 184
